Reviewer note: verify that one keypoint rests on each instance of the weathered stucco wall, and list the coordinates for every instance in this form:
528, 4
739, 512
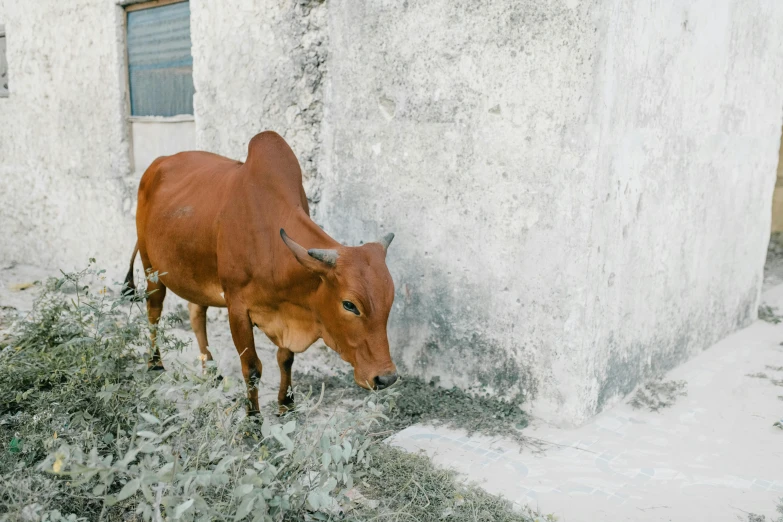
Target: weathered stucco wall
691, 99
463, 127
63, 142
259, 65
581, 190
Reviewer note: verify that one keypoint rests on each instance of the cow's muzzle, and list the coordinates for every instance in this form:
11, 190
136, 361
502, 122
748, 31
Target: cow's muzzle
384, 381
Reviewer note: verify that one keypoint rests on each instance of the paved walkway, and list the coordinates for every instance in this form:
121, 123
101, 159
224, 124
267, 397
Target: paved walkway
713, 456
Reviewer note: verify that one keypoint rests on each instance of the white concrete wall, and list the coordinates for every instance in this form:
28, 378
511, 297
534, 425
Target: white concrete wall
690, 100
462, 129
152, 137
581, 190
64, 154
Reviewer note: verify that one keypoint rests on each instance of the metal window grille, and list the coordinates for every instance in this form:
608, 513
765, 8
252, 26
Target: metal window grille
160, 64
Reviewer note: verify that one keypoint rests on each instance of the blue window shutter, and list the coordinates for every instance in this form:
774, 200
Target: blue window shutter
160, 65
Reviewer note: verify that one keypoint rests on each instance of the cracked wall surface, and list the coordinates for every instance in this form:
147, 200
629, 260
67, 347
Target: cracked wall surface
259, 65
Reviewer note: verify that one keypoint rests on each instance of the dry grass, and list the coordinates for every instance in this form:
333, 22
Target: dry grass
418, 401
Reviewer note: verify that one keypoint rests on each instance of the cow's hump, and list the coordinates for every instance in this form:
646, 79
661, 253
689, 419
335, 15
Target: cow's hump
272, 163
270, 151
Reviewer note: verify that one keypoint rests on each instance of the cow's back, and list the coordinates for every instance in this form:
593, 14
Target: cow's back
210, 223
181, 198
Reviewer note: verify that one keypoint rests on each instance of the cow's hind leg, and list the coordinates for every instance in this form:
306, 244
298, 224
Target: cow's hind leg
198, 321
157, 293
285, 359
242, 333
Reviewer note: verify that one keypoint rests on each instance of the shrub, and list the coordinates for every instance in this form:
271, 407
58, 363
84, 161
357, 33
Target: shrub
89, 434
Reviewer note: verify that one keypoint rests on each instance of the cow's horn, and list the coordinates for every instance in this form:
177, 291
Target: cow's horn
326, 256
386, 240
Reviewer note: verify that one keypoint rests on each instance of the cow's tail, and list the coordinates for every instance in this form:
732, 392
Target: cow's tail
129, 288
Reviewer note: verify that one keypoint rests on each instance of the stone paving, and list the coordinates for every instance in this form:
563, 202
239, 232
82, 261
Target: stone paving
715, 455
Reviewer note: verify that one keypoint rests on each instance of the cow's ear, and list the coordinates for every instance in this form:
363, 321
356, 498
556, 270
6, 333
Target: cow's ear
316, 260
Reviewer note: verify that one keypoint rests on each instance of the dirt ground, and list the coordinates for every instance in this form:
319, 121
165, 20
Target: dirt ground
703, 443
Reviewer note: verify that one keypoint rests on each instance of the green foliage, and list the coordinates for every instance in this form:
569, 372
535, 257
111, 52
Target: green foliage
769, 314
207, 461
753, 517
67, 374
87, 424
89, 434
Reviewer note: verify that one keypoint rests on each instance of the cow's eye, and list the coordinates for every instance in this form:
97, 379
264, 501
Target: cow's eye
350, 307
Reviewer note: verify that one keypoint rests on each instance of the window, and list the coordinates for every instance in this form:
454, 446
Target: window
3, 65
160, 80
160, 65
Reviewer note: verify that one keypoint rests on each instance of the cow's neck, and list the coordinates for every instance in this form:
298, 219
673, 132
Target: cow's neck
295, 322
312, 236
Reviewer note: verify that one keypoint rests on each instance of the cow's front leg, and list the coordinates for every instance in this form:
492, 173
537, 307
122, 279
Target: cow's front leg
285, 359
198, 321
157, 293
242, 333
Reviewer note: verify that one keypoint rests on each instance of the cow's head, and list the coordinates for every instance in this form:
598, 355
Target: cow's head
353, 303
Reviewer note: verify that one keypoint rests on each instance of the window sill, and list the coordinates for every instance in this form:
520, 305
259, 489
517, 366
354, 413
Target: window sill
162, 119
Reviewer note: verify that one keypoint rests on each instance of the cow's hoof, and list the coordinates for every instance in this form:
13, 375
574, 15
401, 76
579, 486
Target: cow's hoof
156, 368
285, 409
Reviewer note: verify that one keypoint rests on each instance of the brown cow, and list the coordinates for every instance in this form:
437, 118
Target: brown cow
221, 233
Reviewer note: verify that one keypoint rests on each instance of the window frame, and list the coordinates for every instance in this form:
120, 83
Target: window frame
149, 4
129, 7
